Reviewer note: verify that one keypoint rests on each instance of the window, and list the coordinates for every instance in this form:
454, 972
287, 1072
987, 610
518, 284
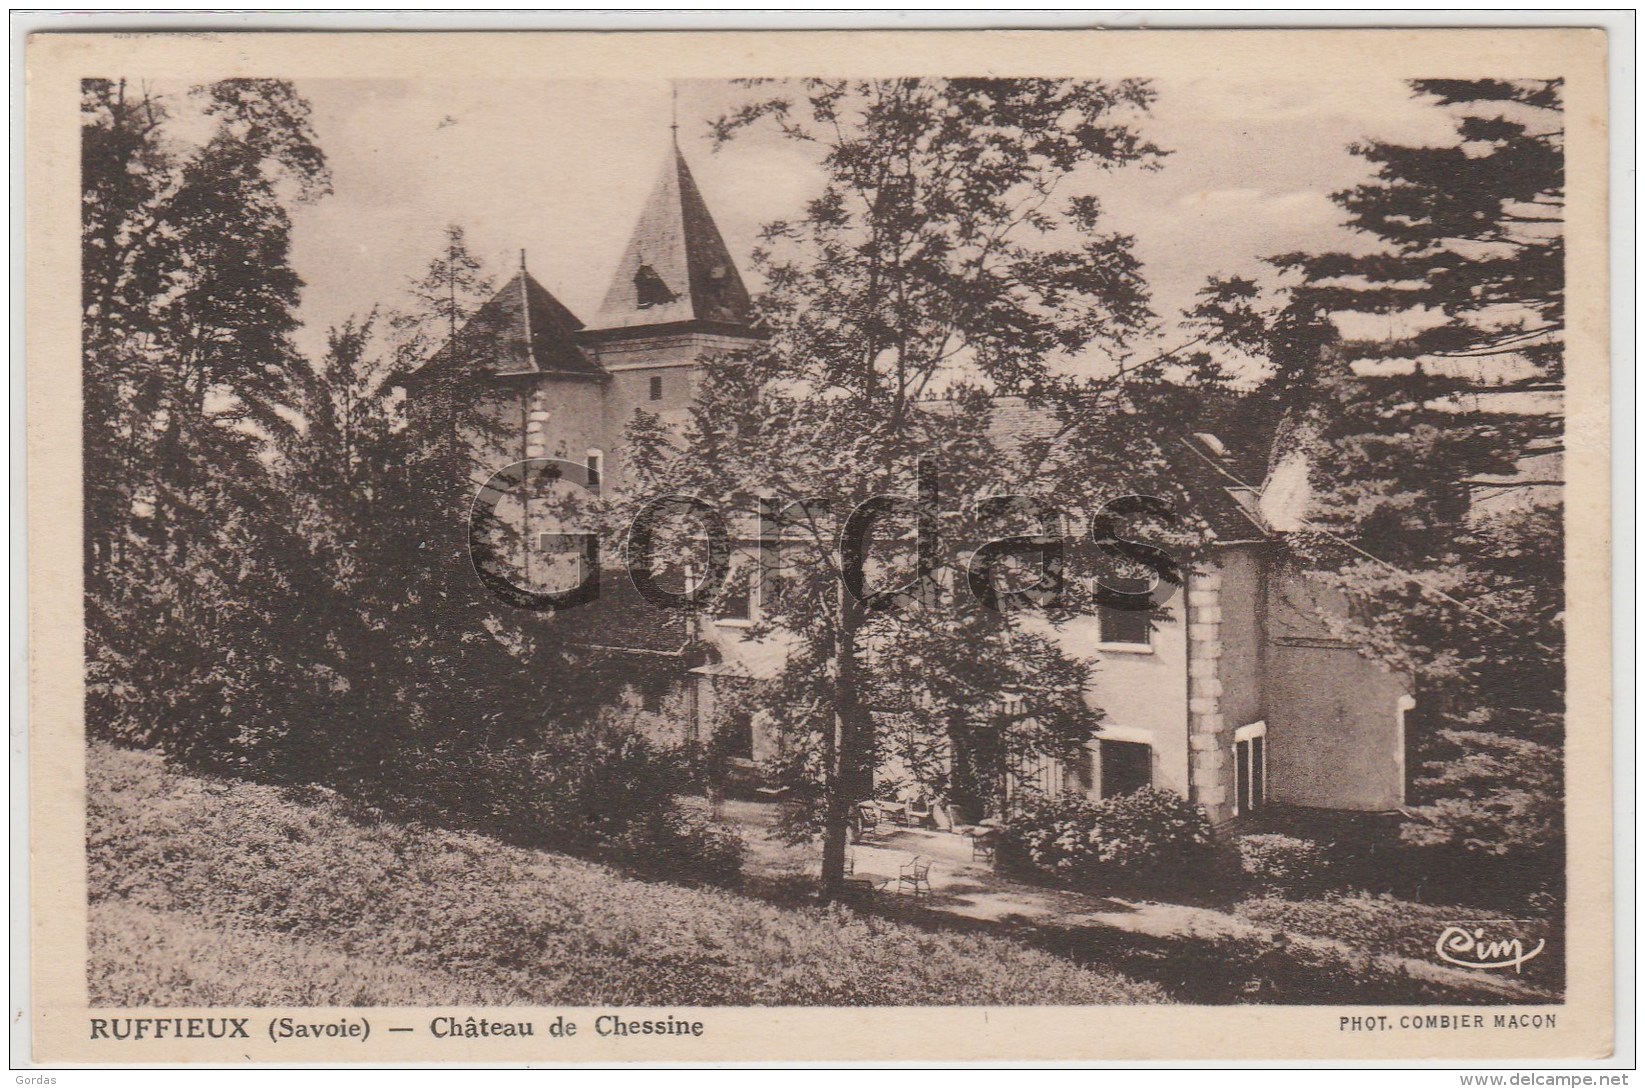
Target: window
1126, 627
735, 737
772, 587
649, 289
596, 466
1127, 767
656, 387
736, 605
1250, 767
1081, 775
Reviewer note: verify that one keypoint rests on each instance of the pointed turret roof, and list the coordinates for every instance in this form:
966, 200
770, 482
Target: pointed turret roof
522, 329
676, 267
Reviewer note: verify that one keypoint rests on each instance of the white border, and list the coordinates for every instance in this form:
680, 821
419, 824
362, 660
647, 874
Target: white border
1619, 23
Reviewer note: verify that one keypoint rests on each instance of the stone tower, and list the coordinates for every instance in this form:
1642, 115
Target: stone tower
568, 390
676, 297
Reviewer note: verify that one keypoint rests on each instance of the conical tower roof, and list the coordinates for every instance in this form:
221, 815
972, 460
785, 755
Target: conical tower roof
676, 268
522, 329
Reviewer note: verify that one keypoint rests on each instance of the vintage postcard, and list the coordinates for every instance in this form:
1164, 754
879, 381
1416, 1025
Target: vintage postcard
861, 546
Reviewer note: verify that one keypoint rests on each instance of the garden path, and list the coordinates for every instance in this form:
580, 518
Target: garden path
967, 890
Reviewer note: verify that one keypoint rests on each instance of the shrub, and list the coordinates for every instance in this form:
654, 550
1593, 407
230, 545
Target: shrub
1494, 827
1493, 795
1281, 863
1150, 832
681, 846
598, 790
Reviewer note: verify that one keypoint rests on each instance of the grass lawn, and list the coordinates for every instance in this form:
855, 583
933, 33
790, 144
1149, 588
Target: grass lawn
217, 892
1409, 929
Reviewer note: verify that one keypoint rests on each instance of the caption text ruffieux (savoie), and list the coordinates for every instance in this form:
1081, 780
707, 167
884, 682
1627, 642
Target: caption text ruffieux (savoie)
283, 1028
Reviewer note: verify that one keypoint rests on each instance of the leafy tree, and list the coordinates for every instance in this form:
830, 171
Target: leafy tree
448, 436
189, 306
339, 473
450, 667
950, 247
277, 566
439, 659
441, 301
124, 169
989, 700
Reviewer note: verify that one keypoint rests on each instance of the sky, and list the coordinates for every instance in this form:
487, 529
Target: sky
560, 169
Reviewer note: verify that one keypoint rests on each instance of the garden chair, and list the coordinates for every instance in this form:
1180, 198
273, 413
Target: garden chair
982, 844
915, 878
859, 892
918, 811
897, 811
868, 819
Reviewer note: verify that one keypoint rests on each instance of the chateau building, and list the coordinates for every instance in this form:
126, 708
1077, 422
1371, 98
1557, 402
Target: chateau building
1241, 698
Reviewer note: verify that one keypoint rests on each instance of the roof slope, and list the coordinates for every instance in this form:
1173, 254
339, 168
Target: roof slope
621, 620
522, 329
676, 267
1214, 483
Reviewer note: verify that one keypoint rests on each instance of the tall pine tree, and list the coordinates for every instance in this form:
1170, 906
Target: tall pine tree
1445, 378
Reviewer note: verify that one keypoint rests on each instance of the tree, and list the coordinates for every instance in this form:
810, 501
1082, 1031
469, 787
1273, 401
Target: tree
950, 247
989, 700
1421, 369
124, 169
189, 304
1470, 232
451, 667
339, 472
441, 656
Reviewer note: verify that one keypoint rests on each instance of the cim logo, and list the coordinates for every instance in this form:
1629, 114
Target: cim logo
1469, 947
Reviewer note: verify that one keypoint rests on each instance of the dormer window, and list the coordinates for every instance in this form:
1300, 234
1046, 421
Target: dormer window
649, 289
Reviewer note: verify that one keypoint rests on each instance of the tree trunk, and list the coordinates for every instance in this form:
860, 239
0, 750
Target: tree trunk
852, 750
964, 788
836, 833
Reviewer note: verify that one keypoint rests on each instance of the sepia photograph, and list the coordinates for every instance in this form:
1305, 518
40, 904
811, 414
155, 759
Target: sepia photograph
640, 544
